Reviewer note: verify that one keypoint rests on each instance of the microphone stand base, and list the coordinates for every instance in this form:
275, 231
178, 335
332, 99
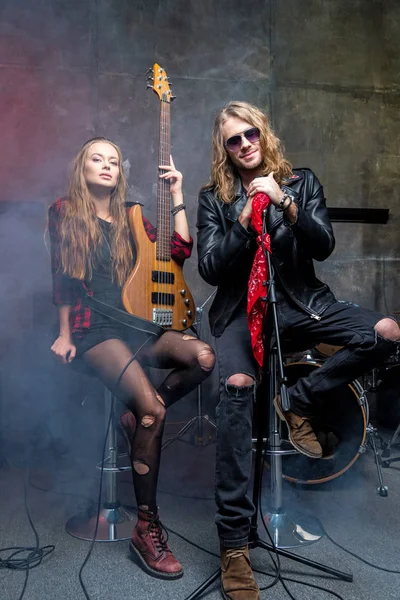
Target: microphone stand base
287, 533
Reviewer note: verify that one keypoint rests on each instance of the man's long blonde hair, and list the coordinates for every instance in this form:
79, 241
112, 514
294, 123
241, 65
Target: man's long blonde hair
223, 171
80, 229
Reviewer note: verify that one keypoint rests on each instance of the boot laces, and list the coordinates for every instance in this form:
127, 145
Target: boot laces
157, 530
234, 552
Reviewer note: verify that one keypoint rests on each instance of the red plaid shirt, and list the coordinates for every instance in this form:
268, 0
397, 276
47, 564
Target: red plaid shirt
69, 291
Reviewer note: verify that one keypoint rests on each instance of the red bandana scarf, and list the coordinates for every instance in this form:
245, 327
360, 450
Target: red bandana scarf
259, 274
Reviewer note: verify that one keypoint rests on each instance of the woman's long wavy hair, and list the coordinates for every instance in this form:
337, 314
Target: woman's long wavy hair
80, 229
223, 171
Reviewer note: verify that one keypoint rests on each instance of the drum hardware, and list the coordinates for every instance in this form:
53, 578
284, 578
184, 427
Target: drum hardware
372, 435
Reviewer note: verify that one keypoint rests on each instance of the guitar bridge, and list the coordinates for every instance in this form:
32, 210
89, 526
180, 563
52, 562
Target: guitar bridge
162, 317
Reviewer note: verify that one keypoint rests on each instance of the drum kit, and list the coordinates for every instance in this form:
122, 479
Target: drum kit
343, 427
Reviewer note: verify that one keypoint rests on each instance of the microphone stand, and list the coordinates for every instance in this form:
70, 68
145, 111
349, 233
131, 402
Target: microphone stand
280, 526
283, 532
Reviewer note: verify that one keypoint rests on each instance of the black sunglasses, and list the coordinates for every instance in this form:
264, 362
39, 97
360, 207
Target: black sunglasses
234, 143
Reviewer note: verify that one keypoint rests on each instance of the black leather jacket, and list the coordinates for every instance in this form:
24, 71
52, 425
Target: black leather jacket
226, 249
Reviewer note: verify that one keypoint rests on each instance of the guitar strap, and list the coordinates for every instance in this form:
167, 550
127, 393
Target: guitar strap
123, 317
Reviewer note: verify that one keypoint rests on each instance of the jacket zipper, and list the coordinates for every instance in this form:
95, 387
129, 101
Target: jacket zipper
301, 305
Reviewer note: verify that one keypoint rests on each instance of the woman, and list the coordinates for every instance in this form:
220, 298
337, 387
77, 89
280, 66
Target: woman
92, 254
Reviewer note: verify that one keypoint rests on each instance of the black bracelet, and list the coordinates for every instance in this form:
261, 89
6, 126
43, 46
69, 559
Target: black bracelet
290, 203
176, 209
281, 207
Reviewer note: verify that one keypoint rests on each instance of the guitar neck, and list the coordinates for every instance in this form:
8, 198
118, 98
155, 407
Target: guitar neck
163, 251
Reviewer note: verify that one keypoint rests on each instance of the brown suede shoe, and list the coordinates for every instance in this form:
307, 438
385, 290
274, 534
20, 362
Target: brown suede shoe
237, 579
150, 546
301, 434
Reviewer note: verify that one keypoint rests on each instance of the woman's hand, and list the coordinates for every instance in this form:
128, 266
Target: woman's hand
174, 177
64, 349
266, 185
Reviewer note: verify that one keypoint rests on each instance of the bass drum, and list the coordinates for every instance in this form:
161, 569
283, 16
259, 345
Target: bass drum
340, 425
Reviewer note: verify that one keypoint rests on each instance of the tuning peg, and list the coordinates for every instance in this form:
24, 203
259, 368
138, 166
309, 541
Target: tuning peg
148, 86
150, 71
172, 98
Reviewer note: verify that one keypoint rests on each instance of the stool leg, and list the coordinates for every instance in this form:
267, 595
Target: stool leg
115, 522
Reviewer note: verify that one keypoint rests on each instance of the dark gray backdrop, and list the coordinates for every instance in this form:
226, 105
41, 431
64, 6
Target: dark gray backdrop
327, 71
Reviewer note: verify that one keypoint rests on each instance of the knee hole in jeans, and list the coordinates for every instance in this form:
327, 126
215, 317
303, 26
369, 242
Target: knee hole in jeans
240, 380
388, 329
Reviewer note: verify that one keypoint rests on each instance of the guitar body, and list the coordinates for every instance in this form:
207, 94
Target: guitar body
156, 289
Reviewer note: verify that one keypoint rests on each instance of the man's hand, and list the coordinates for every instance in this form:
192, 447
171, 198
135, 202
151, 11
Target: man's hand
266, 185
64, 349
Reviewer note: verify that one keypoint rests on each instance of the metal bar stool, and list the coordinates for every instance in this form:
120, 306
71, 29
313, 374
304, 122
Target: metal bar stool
115, 522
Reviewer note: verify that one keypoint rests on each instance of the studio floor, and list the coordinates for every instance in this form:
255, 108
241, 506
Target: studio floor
348, 507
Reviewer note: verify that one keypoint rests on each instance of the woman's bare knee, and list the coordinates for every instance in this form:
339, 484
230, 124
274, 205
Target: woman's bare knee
206, 358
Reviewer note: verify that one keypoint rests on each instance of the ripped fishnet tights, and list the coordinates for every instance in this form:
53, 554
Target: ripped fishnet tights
191, 360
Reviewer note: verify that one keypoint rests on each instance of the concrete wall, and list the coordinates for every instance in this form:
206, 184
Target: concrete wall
328, 72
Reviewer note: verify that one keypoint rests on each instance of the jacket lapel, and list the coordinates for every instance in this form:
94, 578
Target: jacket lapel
233, 210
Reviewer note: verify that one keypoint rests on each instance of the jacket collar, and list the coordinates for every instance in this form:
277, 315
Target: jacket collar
288, 181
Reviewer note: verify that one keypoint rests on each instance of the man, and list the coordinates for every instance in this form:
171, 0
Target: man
247, 159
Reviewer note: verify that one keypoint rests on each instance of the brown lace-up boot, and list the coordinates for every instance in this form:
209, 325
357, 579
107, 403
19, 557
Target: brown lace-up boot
237, 579
301, 434
150, 546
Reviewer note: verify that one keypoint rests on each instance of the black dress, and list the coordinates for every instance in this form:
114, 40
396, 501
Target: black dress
105, 289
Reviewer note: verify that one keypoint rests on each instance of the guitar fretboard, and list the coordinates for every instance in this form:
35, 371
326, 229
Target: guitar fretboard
163, 251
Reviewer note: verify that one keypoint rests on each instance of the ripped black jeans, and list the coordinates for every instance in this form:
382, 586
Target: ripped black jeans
342, 324
234, 434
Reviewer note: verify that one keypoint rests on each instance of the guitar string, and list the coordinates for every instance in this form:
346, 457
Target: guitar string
160, 215
163, 140
163, 253
162, 201
167, 195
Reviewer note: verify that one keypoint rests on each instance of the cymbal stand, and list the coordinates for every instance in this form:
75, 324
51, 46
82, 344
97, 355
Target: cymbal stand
199, 421
369, 384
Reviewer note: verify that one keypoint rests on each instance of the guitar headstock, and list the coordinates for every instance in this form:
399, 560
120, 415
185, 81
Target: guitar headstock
158, 81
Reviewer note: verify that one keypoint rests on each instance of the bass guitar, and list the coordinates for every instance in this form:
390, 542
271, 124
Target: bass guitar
156, 289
